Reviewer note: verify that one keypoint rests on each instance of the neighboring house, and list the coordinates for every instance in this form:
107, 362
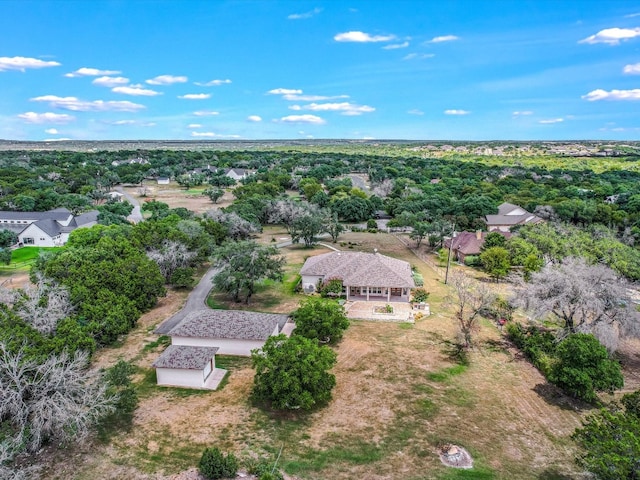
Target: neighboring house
45, 229
508, 216
364, 276
163, 180
233, 332
115, 196
236, 173
464, 244
184, 366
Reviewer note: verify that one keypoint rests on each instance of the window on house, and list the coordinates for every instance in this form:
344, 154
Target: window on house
28, 241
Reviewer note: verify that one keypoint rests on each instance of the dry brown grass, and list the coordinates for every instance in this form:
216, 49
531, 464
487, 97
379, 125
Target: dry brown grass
176, 197
398, 397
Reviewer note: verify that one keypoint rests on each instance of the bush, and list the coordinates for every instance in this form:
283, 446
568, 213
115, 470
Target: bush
472, 261
372, 224
331, 288
214, 465
265, 470
538, 345
420, 295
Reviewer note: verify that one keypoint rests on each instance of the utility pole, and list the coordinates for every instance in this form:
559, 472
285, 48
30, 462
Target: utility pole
453, 236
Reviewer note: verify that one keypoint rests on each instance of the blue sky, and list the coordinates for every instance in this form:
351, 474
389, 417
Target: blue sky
458, 70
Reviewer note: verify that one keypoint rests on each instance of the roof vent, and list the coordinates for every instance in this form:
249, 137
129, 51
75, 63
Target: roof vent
375, 250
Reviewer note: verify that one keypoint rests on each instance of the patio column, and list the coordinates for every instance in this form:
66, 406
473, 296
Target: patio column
367, 293
347, 288
388, 294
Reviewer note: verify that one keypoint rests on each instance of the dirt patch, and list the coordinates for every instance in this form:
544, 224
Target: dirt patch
177, 197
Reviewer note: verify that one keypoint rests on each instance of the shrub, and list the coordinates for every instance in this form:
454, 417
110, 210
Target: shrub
472, 261
331, 288
372, 224
538, 345
420, 295
214, 465
265, 470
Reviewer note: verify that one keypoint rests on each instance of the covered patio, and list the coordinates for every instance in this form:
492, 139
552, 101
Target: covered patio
375, 311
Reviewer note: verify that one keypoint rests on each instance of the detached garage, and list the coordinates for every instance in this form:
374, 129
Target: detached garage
234, 332
187, 366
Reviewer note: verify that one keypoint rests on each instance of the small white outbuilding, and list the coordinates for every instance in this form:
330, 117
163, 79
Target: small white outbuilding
188, 366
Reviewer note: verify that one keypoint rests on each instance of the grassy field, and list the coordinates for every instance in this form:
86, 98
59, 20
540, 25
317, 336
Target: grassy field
399, 396
22, 258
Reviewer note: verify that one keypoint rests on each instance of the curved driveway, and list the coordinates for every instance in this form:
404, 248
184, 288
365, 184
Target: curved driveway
136, 213
196, 301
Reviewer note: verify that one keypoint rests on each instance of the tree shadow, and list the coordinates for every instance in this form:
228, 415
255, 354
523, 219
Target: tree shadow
552, 473
554, 396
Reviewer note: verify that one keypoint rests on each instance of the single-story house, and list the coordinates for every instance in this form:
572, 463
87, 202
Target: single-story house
364, 276
233, 332
508, 216
45, 229
115, 196
192, 367
163, 180
236, 173
464, 244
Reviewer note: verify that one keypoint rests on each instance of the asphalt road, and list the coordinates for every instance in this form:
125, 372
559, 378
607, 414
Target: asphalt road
196, 301
136, 213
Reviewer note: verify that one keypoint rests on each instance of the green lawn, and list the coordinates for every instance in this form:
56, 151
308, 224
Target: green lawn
28, 254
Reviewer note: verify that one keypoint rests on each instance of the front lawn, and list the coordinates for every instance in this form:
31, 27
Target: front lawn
22, 258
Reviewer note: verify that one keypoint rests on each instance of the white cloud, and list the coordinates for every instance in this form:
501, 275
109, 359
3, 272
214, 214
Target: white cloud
135, 91
254, 118
49, 117
345, 108
148, 124
194, 125
205, 113
612, 36
415, 111
110, 81
77, 105
443, 38
284, 91
551, 120
91, 72
52, 131
213, 83
633, 69
22, 63
395, 46
301, 16
631, 15
312, 119
311, 98
361, 37
195, 96
600, 94
523, 112
456, 112
123, 122
418, 56
212, 135
166, 80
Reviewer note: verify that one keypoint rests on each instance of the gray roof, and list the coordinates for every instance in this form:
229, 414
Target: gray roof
505, 217
187, 357
55, 214
48, 226
361, 269
87, 217
229, 324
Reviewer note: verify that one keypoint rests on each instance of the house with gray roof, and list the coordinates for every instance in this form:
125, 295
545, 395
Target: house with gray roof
45, 229
233, 332
508, 216
364, 276
187, 366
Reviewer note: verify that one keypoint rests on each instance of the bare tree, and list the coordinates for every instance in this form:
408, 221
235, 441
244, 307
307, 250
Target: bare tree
55, 399
384, 188
170, 256
469, 298
237, 227
584, 298
42, 305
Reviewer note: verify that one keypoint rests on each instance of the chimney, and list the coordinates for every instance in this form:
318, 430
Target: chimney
479, 235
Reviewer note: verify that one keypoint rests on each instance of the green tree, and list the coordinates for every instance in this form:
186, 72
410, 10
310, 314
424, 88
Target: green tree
493, 239
495, 261
5, 256
610, 442
242, 265
292, 373
214, 194
320, 319
7, 238
583, 368
419, 232
332, 226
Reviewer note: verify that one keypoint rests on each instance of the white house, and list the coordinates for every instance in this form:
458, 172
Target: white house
233, 332
192, 367
508, 216
236, 173
163, 180
364, 276
45, 229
